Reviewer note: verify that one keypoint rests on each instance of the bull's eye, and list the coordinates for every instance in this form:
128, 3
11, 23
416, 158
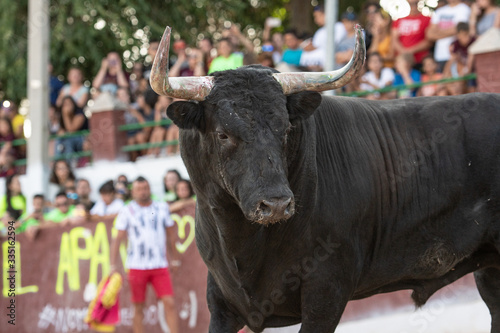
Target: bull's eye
222, 136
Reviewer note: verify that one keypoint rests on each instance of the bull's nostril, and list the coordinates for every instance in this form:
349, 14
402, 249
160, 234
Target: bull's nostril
276, 208
265, 209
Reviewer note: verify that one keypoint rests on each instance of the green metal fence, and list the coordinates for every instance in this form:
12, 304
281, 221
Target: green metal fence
143, 146
409, 86
138, 126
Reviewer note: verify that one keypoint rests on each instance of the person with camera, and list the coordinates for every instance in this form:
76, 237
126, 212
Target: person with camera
111, 75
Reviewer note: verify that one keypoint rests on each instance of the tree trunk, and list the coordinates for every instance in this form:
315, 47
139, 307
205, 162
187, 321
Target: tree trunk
301, 17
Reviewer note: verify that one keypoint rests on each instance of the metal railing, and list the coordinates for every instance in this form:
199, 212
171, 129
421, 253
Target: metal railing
409, 86
139, 126
143, 146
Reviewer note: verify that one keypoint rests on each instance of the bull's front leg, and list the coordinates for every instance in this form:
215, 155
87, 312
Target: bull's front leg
322, 306
326, 287
222, 319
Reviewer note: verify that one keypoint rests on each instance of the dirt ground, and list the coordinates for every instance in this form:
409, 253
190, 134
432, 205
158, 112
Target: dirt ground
439, 316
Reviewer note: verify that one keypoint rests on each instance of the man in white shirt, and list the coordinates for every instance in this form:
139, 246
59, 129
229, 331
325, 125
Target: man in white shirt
444, 27
107, 207
144, 222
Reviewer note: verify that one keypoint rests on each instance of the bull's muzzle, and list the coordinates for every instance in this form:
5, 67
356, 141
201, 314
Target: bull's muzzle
274, 210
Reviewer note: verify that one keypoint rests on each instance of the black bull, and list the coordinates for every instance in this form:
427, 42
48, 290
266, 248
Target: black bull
306, 202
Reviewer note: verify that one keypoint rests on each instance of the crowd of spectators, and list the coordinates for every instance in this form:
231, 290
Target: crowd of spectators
73, 203
412, 49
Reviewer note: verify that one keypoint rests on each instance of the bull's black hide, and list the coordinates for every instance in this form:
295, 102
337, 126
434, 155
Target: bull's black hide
383, 196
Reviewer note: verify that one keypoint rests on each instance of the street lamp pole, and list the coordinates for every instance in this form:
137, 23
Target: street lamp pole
331, 14
38, 96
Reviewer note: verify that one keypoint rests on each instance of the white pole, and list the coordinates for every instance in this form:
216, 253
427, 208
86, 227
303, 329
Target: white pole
38, 96
331, 13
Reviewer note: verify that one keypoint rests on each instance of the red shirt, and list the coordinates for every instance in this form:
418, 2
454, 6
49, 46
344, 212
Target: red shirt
411, 30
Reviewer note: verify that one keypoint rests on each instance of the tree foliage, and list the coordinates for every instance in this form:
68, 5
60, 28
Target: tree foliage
83, 32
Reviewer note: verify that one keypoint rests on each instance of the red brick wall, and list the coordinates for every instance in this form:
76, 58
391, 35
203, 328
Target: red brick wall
488, 71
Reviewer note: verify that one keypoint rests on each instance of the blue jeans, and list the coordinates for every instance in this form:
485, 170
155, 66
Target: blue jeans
68, 146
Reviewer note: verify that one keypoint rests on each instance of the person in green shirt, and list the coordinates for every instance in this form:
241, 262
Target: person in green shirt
227, 58
31, 223
12, 204
64, 213
13, 201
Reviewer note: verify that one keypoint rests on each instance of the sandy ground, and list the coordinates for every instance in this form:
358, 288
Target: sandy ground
435, 317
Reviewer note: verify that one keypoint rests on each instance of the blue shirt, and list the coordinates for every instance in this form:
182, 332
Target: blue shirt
292, 57
398, 81
55, 87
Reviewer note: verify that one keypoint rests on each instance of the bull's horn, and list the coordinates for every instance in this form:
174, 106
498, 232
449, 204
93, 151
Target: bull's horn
189, 87
320, 81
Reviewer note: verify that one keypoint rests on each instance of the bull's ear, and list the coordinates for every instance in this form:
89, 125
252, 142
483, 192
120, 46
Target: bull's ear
187, 115
303, 104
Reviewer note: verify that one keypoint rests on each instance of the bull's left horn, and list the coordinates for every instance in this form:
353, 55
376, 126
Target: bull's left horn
189, 87
321, 81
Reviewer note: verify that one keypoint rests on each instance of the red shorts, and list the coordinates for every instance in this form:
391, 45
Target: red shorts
159, 278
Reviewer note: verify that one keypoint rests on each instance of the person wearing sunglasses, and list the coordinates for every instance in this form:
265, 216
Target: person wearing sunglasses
63, 211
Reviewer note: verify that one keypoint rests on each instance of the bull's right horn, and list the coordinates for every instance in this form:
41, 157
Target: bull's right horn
321, 81
190, 87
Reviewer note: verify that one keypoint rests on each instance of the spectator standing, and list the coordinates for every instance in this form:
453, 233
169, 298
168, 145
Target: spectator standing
484, 14
382, 41
111, 75
148, 226
13, 202
405, 75
72, 120
429, 73
227, 59
443, 28
172, 177
409, 34
377, 76
107, 206
74, 88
